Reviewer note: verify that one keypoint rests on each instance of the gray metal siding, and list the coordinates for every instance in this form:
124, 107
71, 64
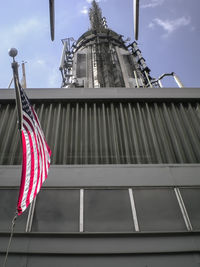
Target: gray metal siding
110, 132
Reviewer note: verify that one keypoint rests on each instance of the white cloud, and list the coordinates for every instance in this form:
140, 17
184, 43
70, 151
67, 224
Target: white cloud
24, 27
21, 31
170, 26
84, 10
151, 25
45, 72
41, 62
54, 78
151, 3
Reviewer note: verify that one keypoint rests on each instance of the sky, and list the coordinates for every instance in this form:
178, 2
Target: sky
169, 36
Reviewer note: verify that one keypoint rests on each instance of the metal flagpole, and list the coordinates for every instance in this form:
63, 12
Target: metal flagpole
13, 52
10, 239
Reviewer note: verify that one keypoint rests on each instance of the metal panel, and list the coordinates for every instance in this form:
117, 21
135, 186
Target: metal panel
110, 133
81, 65
90, 260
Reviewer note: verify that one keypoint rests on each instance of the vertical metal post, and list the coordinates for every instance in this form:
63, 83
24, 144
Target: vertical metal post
136, 79
24, 75
183, 209
160, 84
10, 83
135, 220
81, 225
147, 76
30, 216
177, 80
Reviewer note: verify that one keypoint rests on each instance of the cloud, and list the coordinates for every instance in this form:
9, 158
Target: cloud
170, 26
44, 71
151, 25
84, 10
152, 3
24, 27
54, 78
41, 62
21, 31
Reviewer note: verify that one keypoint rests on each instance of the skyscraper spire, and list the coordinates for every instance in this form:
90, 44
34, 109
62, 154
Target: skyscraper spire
96, 20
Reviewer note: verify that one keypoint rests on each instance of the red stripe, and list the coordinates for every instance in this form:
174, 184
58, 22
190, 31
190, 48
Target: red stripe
41, 132
42, 140
32, 163
38, 176
44, 158
21, 191
41, 167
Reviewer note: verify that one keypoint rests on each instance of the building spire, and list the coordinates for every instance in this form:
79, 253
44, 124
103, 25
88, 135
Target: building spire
96, 19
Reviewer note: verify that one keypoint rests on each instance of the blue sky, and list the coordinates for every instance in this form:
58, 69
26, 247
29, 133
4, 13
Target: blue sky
169, 36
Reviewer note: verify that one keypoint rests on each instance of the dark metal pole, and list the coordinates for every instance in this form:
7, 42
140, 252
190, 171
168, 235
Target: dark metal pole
136, 18
52, 18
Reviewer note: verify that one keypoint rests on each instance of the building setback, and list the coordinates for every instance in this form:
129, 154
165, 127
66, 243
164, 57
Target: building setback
124, 184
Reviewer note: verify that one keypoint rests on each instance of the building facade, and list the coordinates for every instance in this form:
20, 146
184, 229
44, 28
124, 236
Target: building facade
124, 184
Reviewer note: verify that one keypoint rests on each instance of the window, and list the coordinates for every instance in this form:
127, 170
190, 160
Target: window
107, 211
8, 203
158, 210
191, 198
57, 211
81, 65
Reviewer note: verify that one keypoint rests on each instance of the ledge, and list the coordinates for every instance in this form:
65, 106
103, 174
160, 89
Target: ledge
80, 94
101, 244
81, 176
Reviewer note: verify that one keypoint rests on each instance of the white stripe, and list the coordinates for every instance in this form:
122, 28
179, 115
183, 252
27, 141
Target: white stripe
35, 161
46, 153
41, 141
43, 161
41, 167
40, 131
28, 166
27, 177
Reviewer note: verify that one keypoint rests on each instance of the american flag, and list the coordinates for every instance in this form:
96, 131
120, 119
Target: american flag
36, 155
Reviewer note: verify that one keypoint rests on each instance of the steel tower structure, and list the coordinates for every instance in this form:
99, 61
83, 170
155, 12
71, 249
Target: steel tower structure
101, 58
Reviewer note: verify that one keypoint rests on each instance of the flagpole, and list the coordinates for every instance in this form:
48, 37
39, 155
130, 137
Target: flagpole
10, 239
13, 52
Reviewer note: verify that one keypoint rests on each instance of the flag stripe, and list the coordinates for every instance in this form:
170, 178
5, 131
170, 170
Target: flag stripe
32, 165
21, 191
34, 162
